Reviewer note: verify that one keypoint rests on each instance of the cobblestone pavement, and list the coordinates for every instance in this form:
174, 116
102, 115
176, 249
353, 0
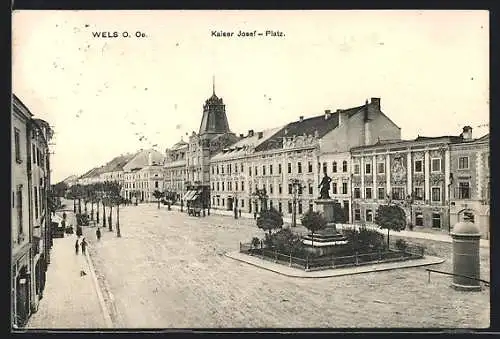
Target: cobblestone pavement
69, 300
168, 270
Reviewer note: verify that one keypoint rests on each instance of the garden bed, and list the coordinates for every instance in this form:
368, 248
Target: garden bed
334, 261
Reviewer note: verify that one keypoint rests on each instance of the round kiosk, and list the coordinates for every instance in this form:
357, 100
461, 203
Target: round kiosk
466, 260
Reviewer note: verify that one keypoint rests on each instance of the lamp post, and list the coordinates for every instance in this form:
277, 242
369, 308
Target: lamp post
296, 185
410, 198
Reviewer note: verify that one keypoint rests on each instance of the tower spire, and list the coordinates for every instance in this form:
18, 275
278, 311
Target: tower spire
213, 84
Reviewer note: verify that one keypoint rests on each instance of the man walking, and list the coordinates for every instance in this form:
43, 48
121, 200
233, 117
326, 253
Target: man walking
77, 246
98, 233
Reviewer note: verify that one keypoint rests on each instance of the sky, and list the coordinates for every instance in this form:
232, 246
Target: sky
110, 96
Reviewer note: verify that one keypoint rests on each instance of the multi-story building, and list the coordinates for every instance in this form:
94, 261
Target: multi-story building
470, 181
231, 172
30, 217
175, 169
289, 162
419, 174
143, 174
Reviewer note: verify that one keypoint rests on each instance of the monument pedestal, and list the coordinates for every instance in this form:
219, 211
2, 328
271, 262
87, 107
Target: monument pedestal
326, 206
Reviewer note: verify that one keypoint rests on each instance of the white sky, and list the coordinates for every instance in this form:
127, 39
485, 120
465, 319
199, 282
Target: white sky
430, 69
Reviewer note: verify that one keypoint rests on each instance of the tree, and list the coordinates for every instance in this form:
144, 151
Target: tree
313, 221
114, 198
158, 195
269, 219
60, 189
390, 217
339, 214
261, 195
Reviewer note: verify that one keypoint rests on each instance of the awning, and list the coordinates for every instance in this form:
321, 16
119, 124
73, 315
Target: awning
190, 195
194, 196
184, 197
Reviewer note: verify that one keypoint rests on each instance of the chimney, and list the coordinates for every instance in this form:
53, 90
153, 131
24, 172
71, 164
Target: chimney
467, 133
366, 125
376, 103
241, 135
250, 133
328, 114
260, 134
150, 159
301, 118
341, 116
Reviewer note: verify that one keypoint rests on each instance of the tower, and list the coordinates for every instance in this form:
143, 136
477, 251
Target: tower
214, 120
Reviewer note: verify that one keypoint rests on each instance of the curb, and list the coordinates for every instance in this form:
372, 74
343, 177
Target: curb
361, 270
104, 308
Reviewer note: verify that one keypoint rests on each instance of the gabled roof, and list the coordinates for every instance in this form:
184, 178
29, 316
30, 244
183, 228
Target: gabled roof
141, 159
178, 145
317, 125
117, 163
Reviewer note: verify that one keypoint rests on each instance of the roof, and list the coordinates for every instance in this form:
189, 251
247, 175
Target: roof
141, 159
242, 146
214, 118
178, 145
91, 173
451, 139
117, 163
317, 125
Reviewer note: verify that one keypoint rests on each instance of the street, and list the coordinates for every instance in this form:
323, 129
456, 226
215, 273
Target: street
168, 270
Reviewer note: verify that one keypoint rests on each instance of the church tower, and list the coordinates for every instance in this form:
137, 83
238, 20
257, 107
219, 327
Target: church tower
214, 120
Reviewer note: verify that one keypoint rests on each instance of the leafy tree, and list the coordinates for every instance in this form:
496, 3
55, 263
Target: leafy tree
60, 189
269, 220
158, 195
339, 214
261, 195
390, 217
313, 221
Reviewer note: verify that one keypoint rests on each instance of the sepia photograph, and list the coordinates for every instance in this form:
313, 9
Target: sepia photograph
241, 169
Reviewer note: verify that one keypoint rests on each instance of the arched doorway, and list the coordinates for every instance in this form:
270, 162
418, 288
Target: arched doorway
22, 297
230, 201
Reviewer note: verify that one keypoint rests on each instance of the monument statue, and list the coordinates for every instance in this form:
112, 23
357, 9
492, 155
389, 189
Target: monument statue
325, 187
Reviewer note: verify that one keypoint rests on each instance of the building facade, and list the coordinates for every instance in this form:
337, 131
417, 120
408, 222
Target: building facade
174, 169
30, 216
470, 184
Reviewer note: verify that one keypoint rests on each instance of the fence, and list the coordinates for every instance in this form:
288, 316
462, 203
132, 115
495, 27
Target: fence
319, 263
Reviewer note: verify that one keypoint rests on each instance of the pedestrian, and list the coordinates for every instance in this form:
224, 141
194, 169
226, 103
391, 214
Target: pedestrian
255, 215
84, 246
239, 211
77, 246
98, 233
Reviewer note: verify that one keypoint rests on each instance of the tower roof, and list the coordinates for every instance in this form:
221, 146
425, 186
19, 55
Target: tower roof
214, 120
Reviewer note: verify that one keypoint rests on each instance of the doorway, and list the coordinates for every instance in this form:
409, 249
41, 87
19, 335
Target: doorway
230, 204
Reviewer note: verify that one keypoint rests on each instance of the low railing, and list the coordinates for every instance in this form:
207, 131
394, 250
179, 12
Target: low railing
326, 262
487, 283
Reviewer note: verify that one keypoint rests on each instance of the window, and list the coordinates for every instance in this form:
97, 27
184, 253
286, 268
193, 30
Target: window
263, 169
213, 201
344, 166
279, 168
463, 190
280, 189
324, 168
419, 219
368, 168
463, 163
213, 186
218, 187
271, 169
300, 190
299, 167
368, 193
436, 165
223, 202
419, 168
229, 168
242, 202
357, 193
357, 214
380, 168
300, 207
309, 167
289, 207
236, 185
241, 168
35, 198
334, 188
310, 207
344, 188
310, 188
249, 206
290, 189
19, 210
217, 169
356, 168
223, 186
242, 185
398, 193
369, 215
334, 167
271, 188
436, 194
213, 170
381, 193
156, 184
17, 143
436, 220
270, 204
256, 171
33, 153
289, 168
222, 168
250, 171
280, 207
418, 193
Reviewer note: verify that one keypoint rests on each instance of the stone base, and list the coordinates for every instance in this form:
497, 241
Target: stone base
326, 206
459, 287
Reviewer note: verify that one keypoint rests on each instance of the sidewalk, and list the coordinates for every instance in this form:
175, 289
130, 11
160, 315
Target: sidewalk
69, 300
437, 236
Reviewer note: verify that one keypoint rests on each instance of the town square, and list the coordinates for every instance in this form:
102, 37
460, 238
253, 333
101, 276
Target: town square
180, 195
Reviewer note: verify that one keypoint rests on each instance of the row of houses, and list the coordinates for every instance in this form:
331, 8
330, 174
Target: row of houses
31, 238
437, 180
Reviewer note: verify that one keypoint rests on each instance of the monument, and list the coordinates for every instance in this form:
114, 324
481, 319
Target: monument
326, 241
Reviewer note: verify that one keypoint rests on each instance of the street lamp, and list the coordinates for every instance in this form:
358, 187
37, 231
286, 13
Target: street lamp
410, 198
296, 185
